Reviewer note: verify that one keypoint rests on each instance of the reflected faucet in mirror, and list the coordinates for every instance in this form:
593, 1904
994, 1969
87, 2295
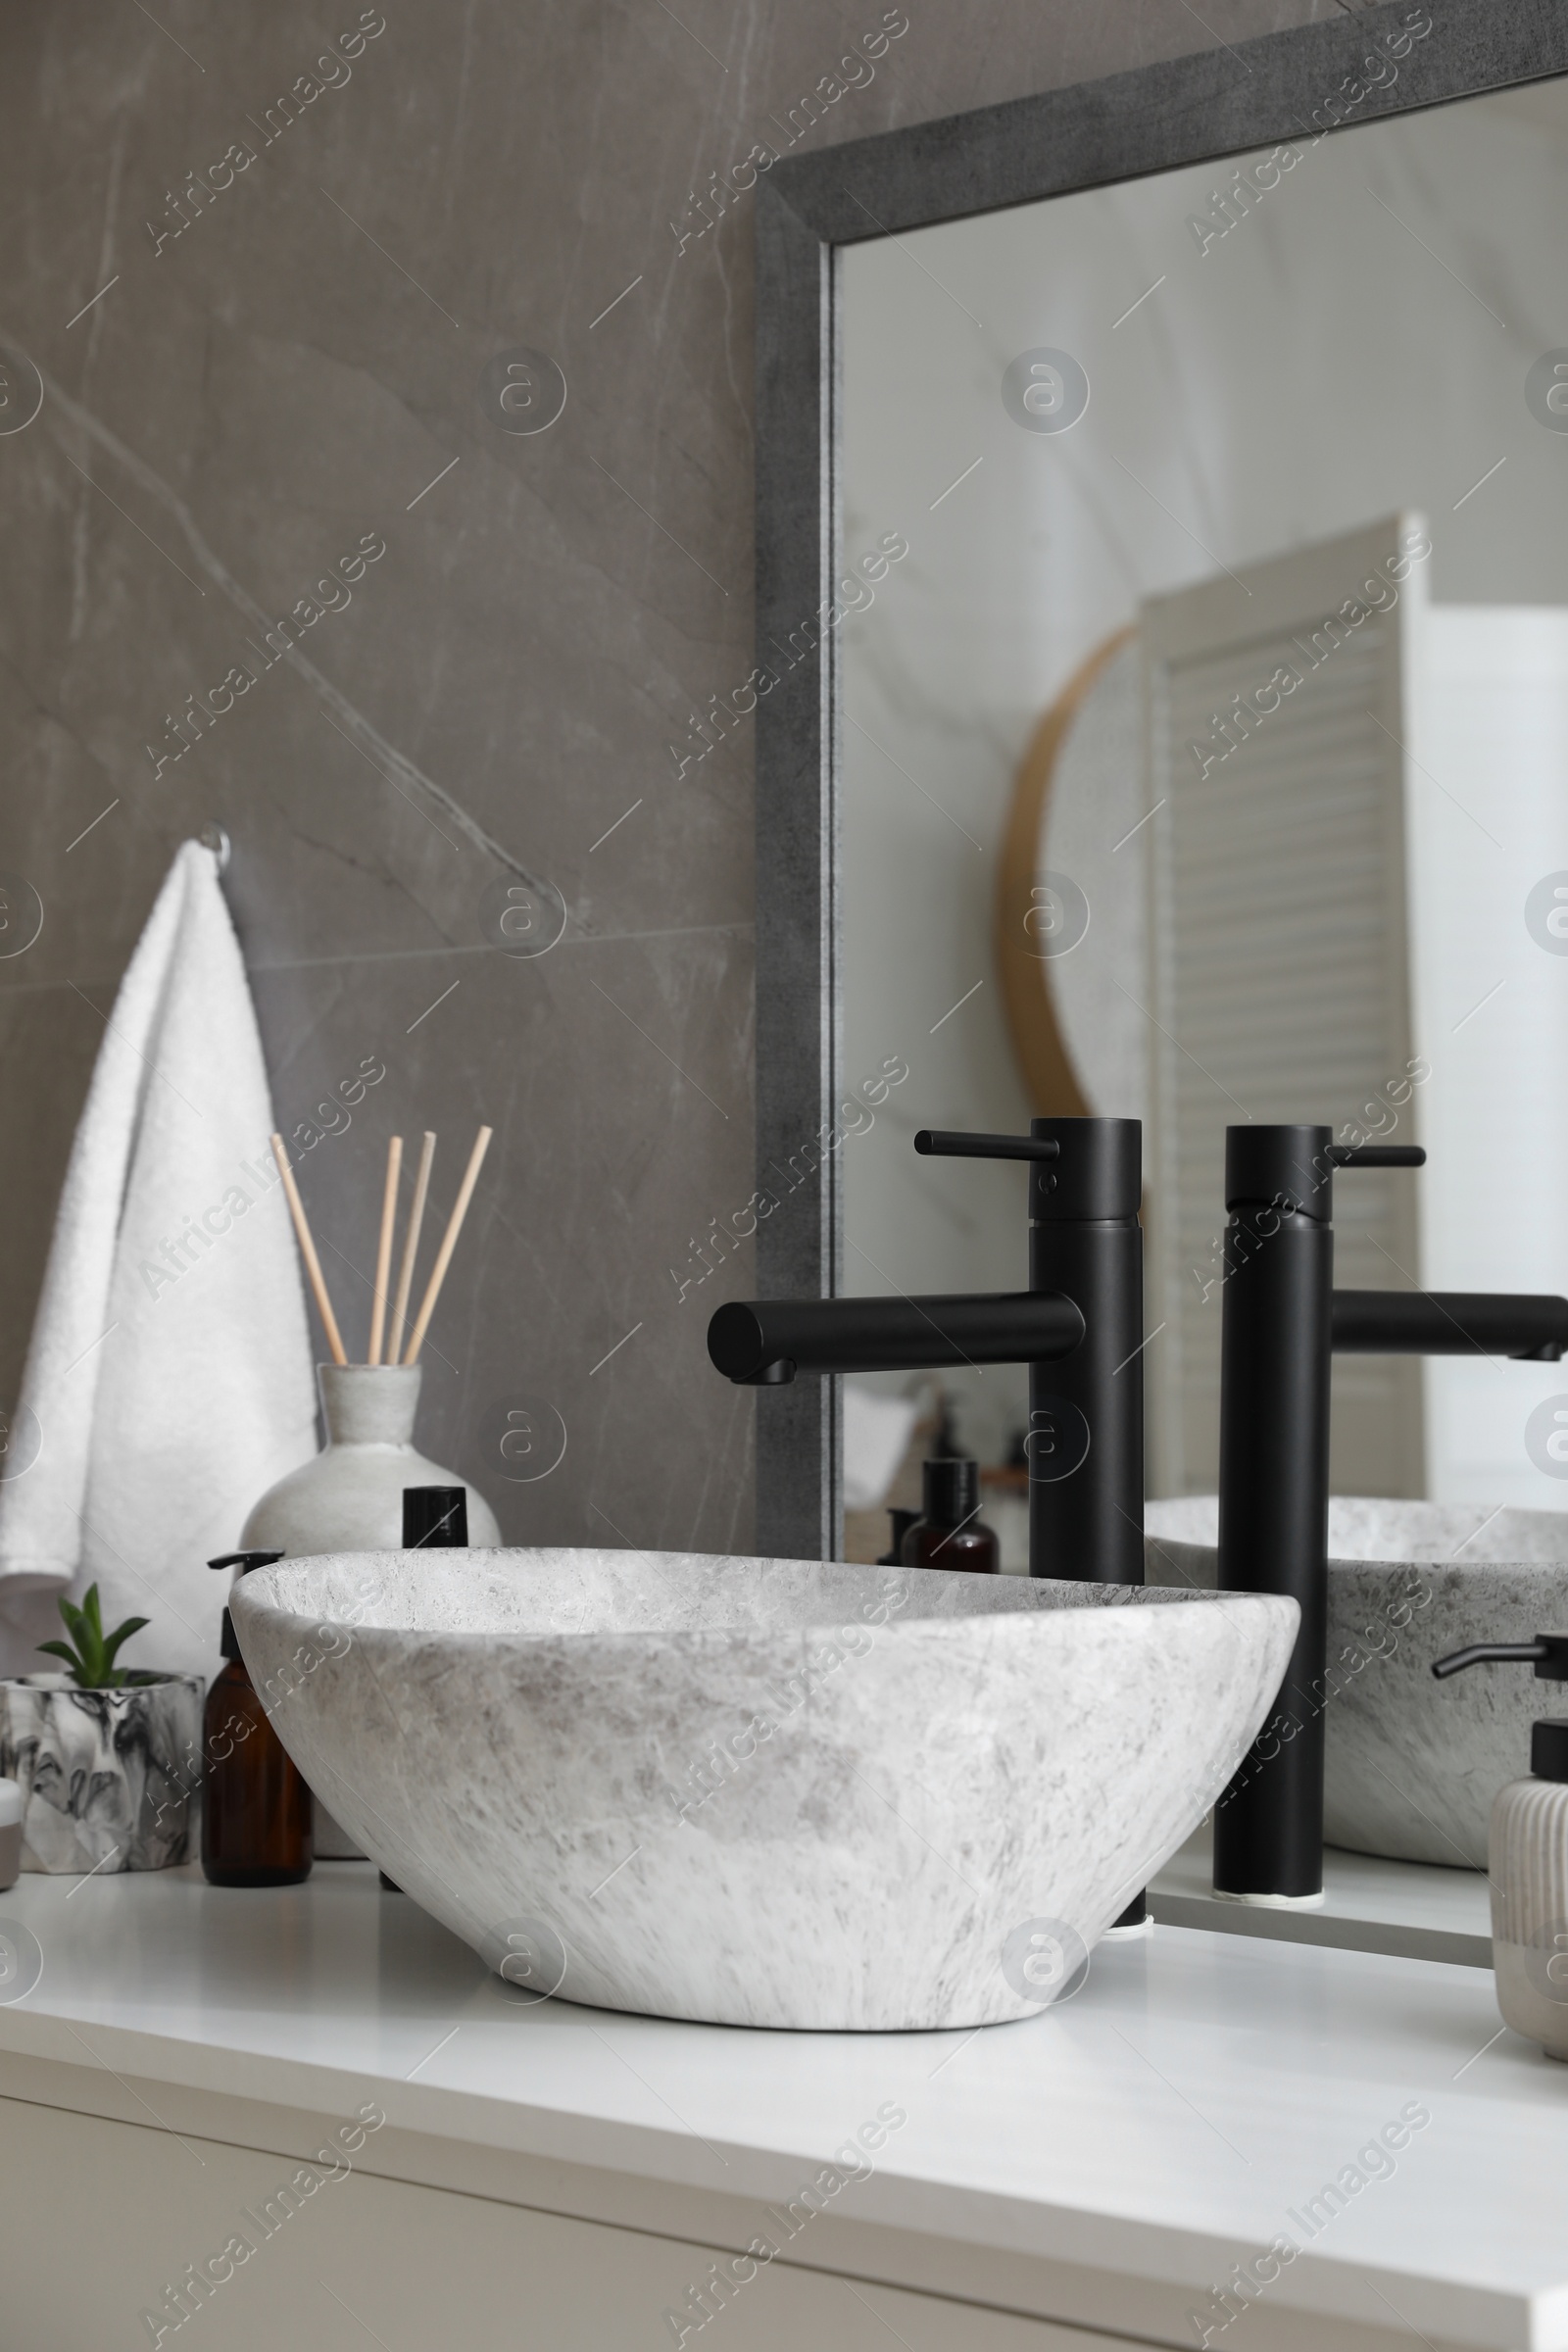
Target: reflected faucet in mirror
1078, 1327
1282, 1323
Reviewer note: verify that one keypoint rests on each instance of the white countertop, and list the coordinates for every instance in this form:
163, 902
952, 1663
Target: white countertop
1162, 2124
1415, 1910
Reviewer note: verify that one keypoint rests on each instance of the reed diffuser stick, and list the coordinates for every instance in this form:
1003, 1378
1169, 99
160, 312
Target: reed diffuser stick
383, 1249
313, 1264
398, 1328
448, 1242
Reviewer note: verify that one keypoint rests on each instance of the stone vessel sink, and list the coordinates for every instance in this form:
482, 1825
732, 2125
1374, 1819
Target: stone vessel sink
761, 1792
1412, 1764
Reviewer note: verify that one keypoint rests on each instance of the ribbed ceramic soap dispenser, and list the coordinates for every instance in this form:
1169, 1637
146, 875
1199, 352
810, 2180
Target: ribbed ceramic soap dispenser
1528, 1859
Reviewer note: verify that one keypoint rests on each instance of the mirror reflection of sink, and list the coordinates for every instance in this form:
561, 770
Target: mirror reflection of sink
761, 1791
1412, 1764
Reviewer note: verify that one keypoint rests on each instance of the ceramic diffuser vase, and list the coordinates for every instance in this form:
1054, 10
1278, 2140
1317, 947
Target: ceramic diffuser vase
349, 1496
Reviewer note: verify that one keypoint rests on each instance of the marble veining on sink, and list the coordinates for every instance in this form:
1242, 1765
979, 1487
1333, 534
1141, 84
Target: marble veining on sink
761, 1791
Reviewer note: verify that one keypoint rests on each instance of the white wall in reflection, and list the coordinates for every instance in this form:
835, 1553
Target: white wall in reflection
1357, 342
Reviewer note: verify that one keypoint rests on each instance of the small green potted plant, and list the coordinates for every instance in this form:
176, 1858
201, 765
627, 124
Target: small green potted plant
105, 1754
90, 1653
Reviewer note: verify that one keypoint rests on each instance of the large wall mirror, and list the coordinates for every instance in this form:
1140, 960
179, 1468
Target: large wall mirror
1178, 473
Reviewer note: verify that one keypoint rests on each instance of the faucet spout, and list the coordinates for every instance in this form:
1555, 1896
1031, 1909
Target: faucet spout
749, 1341
1531, 1329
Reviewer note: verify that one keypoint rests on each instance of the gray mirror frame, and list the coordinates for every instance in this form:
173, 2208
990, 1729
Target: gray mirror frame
1218, 103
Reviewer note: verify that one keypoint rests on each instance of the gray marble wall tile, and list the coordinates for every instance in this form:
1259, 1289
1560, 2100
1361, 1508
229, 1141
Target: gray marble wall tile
294, 369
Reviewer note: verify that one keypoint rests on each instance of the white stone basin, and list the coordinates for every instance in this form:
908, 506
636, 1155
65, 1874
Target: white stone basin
761, 1792
1412, 1764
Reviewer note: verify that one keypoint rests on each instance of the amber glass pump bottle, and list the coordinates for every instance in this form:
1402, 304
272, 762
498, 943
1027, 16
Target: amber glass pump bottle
256, 1804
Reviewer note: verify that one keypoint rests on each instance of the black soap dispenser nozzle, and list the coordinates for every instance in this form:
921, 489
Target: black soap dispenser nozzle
243, 1563
1548, 1654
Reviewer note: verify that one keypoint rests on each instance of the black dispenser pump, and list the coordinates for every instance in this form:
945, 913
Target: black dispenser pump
1548, 1654
244, 1561
436, 1518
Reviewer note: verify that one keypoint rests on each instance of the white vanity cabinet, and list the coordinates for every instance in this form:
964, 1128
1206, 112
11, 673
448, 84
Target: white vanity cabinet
319, 2122
375, 2257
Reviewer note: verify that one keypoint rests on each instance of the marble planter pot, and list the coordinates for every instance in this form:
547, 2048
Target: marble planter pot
1412, 1765
109, 1779
761, 1792
10, 1809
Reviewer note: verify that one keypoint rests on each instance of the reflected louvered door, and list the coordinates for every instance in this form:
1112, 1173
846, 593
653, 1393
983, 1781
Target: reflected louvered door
1279, 972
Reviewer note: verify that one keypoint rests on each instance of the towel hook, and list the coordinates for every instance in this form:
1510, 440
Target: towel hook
215, 837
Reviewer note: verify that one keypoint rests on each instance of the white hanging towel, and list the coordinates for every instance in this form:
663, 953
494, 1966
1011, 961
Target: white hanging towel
168, 1381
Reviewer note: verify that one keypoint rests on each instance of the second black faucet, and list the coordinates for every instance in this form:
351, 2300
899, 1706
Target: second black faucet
1078, 1327
1283, 1324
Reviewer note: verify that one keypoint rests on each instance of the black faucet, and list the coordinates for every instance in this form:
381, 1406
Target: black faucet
1283, 1322
1078, 1327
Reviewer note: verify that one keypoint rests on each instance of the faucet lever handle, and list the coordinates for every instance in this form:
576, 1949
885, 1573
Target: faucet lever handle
1377, 1156
942, 1143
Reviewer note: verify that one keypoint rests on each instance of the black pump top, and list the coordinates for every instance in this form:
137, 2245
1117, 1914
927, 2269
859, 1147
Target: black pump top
1548, 1654
244, 1561
950, 1492
436, 1518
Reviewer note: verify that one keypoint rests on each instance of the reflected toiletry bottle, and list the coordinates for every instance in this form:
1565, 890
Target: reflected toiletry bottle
256, 1804
434, 1519
950, 1533
901, 1522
